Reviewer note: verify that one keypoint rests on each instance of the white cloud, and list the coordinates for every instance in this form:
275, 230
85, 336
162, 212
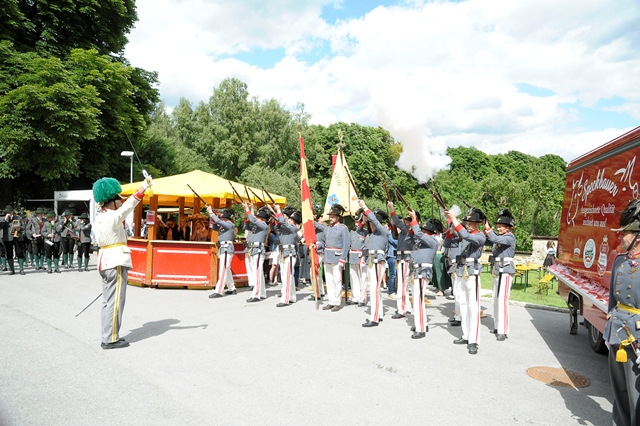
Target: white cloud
435, 74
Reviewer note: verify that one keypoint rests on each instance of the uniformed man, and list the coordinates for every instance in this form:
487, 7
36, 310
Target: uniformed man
69, 236
34, 234
375, 258
621, 331
319, 247
83, 228
114, 257
226, 229
450, 252
13, 237
502, 270
422, 257
336, 249
406, 243
51, 242
258, 228
287, 226
357, 266
467, 278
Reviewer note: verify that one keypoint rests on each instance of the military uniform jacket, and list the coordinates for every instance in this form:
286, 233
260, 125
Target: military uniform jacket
34, 227
424, 252
470, 250
338, 243
375, 245
226, 234
451, 249
84, 230
406, 238
288, 236
67, 229
320, 236
258, 236
504, 248
7, 235
112, 238
357, 243
49, 228
624, 288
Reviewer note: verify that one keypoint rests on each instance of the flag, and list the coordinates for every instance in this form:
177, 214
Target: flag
308, 230
341, 189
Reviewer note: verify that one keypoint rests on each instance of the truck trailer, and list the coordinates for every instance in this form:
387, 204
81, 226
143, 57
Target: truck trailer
599, 185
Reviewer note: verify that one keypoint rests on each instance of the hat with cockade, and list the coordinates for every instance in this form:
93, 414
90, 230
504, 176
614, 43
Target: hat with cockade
288, 211
106, 190
381, 215
227, 214
417, 216
505, 218
337, 210
629, 217
433, 225
296, 217
475, 215
263, 213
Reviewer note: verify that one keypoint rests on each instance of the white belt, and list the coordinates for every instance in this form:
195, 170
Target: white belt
404, 252
224, 243
287, 245
503, 259
422, 265
471, 259
256, 244
376, 251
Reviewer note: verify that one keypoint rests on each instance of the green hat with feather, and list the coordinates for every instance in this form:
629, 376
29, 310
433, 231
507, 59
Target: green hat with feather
106, 190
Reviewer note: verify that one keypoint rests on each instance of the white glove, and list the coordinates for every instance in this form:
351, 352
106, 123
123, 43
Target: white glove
147, 183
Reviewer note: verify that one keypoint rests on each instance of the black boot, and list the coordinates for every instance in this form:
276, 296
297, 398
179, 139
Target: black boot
11, 268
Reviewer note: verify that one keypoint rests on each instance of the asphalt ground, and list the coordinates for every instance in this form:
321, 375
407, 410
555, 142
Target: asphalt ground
196, 361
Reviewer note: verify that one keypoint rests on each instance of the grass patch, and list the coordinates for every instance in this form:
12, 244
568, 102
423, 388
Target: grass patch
535, 293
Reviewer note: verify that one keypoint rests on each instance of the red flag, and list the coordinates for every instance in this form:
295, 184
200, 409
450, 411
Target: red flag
308, 231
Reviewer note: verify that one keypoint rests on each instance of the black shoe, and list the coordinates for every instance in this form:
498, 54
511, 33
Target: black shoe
49, 271
451, 319
58, 271
368, 323
282, 305
336, 308
327, 307
253, 299
250, 287
473, 348
351, 302
460, 341
413, 328
397, 316
229, 292
494, 331
21, 272
262, 298
86, 269
117, 345
501, 337
279, 294
455, 323
361, 305
214, 295
79, 269
418, 335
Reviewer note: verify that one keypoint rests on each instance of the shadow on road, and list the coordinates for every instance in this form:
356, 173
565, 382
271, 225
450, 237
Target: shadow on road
156, 328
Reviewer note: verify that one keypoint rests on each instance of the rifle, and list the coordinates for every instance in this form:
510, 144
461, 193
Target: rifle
436, 194
399, 195
256, 195
198, 195
246, 191
267, 192
464, 202
386, 190
235, 193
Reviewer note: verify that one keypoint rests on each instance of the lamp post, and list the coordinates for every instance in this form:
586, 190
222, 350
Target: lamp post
130, 155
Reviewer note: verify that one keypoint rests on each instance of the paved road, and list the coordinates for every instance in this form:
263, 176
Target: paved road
197, 361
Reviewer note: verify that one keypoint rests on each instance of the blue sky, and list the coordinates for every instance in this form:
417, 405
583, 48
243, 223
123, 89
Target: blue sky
499, 75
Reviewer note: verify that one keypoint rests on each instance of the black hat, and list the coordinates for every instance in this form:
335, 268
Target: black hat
629, 220
433, 225
505, 217
263, 213
417, 216
475, 215
359, 214
296, 217
337, 210
227, 214
288, 211
381, 215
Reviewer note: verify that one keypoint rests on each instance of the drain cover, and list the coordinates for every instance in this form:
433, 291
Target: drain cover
558, 377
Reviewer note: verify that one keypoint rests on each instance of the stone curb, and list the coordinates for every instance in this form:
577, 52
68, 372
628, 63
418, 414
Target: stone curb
530, 305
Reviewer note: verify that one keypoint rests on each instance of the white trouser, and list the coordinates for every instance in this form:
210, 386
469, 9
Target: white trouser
287, 264
470, 308
356, 280
225, 277
333, 274
402, 287
420, 320
320, 280
256, 276
375, 274
457, 294
501, 303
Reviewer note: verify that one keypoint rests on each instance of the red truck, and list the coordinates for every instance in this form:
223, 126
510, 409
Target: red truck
599, 185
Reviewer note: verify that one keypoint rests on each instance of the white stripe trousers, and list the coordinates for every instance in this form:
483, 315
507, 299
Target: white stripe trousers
501, 303
225, 277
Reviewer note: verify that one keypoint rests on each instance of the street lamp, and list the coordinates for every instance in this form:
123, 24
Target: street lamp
130, 155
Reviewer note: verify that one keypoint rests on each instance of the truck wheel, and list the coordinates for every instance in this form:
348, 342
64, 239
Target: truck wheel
574, 305
595, 339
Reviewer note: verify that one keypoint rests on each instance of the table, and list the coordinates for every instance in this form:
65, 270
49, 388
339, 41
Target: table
525, 268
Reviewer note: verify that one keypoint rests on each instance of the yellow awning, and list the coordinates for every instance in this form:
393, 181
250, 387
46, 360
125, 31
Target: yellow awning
210, 187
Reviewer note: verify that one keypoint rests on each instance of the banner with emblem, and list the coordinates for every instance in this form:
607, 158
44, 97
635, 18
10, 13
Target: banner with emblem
308, 230
341, 189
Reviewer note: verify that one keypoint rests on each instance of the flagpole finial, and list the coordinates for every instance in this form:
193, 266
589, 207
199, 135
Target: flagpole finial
340, 144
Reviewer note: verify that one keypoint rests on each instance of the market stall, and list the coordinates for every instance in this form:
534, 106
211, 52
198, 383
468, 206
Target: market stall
191, 264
